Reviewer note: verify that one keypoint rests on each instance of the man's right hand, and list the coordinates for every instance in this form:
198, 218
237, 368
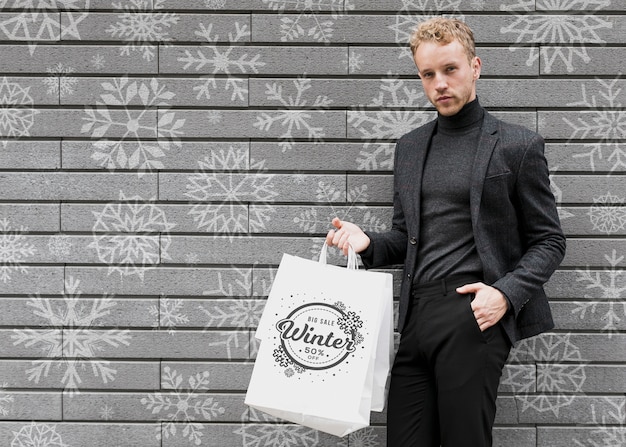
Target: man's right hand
347, 234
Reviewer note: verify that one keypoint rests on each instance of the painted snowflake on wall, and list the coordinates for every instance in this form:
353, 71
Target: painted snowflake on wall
141, 27
365, 437
185, 405
14, 250
310, 19
608, 214
60, 81
534, 32
610, 286
71, 337
6, 400
231, 203
60, 246
413, 12
169, 314
40, 21
604, 121
295, 113
387, 117
132, 150
220, 62
560, 372
37, 434
131, 236
17, 114
609, 420
266, 433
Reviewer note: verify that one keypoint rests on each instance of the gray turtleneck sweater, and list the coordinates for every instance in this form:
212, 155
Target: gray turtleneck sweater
446, 245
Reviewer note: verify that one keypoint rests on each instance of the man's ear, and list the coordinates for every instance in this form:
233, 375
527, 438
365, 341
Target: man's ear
476, 67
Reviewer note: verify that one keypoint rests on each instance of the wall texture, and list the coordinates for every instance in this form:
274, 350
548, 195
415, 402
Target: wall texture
158, 156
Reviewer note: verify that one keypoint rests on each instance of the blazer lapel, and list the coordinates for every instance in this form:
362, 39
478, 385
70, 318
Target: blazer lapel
417, 160
486, 145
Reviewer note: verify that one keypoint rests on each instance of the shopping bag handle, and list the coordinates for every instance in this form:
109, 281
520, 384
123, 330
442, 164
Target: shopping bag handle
353, 262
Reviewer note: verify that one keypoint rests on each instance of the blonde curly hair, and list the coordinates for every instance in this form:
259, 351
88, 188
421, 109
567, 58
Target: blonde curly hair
444, 30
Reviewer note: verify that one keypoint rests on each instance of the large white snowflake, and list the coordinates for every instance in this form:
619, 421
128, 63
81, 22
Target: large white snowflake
575, 30
17, 114
231, 202
132, 151
14, 250
611, 285
5, 400
295, 112
605, 122
560, 373
266, 433
40, 20
131, 236
169, 314
608, 214
219, 61
609, 424
141, 27
365, 437
307, 22
70, 336
37, 434
413, 12
186, 404
389, 115
59, 80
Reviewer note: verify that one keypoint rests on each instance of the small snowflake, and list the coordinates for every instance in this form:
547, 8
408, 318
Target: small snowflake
295, 114
350, 322
289, 372
97, 61
37, 434
214, 117
106, 413
169, 314
131, 236
185, 404
281, 357
14, 250
60, 81
608, 214
60, 246
17, 114
142, 27
548, 31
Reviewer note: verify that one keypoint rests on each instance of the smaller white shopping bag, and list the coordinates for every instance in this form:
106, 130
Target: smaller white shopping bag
326, 341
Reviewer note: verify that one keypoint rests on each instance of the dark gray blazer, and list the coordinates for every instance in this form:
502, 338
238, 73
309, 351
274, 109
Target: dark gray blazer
516, 226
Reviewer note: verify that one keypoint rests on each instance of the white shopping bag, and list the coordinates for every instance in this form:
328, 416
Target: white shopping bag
326, 342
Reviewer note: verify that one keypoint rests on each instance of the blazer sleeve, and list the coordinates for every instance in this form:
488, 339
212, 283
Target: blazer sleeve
540, 230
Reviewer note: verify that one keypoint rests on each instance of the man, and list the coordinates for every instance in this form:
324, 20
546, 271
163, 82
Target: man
475, 225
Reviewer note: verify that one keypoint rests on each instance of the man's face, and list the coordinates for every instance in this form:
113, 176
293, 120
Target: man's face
448, 78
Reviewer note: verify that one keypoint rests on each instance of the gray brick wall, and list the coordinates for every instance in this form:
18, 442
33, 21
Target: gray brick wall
158, 156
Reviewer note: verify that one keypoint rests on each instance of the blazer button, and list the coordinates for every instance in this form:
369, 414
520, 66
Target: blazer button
413, 241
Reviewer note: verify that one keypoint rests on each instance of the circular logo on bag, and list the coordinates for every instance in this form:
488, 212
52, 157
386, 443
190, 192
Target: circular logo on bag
318, 336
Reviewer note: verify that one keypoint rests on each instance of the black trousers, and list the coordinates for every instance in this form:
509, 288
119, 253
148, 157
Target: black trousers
446, 373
